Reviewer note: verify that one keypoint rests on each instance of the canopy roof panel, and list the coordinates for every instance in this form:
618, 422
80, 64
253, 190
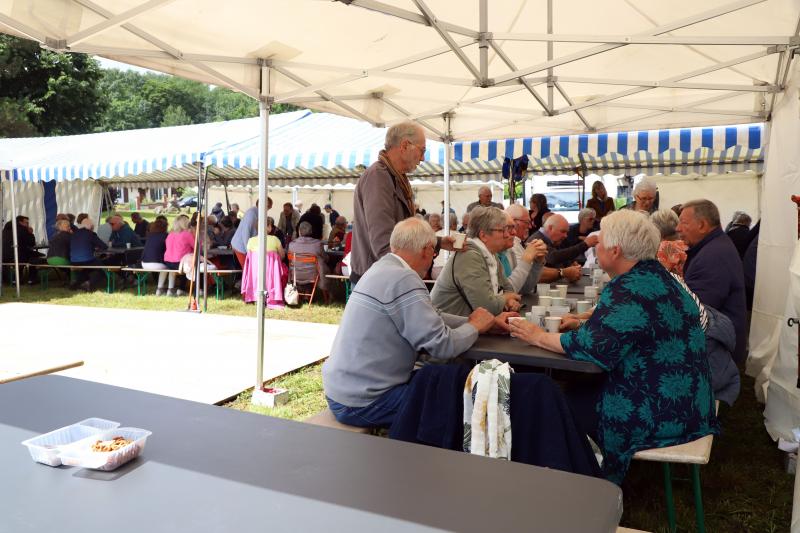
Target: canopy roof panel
518, 71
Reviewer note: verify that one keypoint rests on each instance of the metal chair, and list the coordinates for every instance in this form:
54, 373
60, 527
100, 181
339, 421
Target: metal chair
307, 263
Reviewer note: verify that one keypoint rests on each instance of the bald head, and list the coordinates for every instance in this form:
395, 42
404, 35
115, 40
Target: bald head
556, 228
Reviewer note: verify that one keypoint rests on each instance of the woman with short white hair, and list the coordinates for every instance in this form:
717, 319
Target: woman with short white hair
645, 194
475, 278
645, 334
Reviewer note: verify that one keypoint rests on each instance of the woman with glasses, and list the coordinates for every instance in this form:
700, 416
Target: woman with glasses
475, 278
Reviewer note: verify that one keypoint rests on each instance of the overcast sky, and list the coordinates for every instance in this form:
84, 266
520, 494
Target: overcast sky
107, 63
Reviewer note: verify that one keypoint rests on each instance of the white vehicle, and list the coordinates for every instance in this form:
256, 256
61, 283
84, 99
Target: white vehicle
564, 192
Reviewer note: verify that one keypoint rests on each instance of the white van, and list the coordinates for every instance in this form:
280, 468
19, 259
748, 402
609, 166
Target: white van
564, 192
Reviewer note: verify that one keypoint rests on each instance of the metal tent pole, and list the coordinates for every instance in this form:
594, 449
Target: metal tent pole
264, 105
448, 146
2, 225
14, 231
205, 242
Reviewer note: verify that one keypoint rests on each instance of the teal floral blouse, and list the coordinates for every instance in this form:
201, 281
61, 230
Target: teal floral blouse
645, 333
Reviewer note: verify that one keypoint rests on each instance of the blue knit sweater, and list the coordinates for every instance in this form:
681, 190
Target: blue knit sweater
388, 320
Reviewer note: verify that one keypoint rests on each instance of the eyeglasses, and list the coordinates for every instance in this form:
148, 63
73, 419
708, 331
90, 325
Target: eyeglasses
505, 230
422, 148
526, 220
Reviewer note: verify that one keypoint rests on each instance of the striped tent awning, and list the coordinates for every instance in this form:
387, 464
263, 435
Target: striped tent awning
319, 149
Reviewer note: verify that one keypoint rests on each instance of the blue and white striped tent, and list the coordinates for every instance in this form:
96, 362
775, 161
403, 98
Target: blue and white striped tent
319, 149
672, 151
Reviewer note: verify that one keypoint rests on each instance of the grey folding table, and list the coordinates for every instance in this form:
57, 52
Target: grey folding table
207, 468
512, 350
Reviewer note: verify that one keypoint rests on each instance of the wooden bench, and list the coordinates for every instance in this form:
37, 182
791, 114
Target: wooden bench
141, 277
694, 453
348, 289
108, 270
325, 418
12, 272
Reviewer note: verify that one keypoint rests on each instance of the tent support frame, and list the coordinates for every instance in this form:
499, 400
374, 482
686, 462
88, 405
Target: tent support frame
264, 108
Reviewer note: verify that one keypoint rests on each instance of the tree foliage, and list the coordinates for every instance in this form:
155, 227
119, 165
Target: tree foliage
47, 93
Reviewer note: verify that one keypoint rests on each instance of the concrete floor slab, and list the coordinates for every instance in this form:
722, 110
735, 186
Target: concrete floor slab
201, 357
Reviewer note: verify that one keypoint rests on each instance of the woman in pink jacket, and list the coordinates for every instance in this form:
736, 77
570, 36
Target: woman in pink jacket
180, 242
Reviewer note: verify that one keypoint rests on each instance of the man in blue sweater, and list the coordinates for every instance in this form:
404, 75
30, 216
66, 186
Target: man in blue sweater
388, 321
713, 268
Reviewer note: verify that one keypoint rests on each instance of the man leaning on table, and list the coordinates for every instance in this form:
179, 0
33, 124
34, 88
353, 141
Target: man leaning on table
388, 322
560, 261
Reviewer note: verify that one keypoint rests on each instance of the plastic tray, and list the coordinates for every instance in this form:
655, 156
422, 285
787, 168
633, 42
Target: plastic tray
81, 454
46, 447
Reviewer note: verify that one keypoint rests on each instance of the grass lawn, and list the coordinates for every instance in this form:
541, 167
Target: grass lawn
127, 299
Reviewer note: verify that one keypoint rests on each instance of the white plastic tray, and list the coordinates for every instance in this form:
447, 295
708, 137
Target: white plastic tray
80, 453
46, 447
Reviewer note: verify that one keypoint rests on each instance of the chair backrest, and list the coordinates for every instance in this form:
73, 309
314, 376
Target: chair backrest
303, 267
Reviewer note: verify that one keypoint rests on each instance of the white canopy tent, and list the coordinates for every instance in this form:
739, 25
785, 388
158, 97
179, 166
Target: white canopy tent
463, 71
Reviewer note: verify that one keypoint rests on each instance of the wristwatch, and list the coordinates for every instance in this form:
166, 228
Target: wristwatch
560, 272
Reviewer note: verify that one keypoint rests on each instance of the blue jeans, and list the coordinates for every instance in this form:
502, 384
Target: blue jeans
379, 413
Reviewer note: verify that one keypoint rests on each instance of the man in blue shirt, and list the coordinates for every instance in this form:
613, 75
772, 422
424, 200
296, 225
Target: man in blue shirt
122, 234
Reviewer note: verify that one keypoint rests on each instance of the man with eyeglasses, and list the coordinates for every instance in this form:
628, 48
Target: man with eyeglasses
645, 194
383, 197
523, 264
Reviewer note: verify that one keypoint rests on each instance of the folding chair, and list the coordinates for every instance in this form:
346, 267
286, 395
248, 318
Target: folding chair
307, 263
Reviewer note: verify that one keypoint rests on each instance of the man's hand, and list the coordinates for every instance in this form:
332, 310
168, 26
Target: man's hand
572, 273
512, 301
536, 250
501, 323
591, 240
481, 319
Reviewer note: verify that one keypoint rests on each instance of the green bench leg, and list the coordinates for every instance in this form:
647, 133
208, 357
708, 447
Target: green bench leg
219, 287
44, 278
111, 281
346, 290
670, 500
698, 499
141, 283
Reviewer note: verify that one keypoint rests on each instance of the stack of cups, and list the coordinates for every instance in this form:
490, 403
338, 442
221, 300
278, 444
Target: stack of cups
583, 306
597, 278
536, 315
590, 293
559, 301
562, 289
543, 289
545, 301
554, 293
558, 310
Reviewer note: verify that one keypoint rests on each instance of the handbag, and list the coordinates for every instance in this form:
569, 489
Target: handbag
290, 294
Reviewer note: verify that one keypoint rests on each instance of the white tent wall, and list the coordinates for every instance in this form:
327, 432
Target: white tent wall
777, 241
79, 197
29, 198
730, 192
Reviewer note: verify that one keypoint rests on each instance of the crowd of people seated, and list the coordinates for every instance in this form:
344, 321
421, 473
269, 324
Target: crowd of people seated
666, 331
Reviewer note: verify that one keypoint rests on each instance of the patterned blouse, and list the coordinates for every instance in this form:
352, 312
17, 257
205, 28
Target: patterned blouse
645, 333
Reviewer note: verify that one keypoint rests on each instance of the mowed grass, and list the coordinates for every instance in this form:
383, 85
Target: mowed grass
127, 299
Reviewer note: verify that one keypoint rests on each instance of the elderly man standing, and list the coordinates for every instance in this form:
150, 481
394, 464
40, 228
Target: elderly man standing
713, 269
553, 233
289, 220
475, 277
383, 196
389, 319
484, 199
644, 197
522, 264
248, 228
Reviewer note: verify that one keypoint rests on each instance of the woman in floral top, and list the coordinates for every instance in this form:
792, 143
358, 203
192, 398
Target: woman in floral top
646, 335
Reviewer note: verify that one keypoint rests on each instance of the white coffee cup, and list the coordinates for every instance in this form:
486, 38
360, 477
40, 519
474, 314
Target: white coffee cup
543, 289
552, 323
545, 301
558, 310
583, 306
590, 292
554, 293
513, 319
562, 288
128, 245
458, 240
536, 315
559, 301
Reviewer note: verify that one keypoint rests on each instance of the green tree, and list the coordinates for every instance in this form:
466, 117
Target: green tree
174, 115
56, 93
14, 120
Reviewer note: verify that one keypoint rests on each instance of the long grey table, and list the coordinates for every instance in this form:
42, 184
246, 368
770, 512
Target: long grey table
208, 468
512, 350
